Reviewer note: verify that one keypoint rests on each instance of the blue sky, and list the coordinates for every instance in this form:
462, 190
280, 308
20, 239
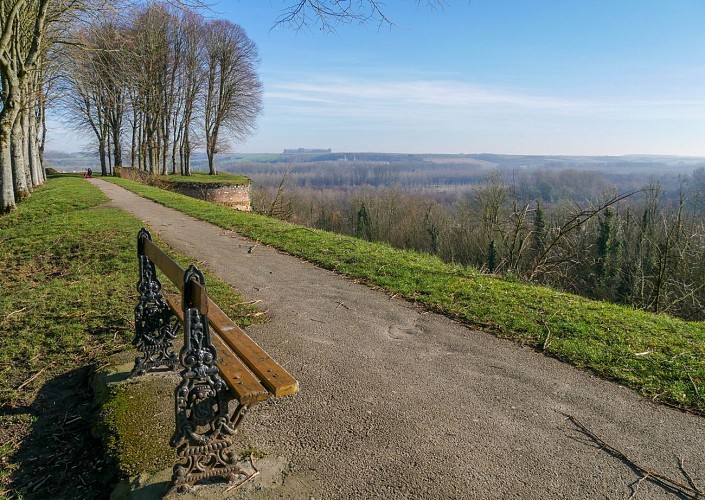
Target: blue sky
503, 76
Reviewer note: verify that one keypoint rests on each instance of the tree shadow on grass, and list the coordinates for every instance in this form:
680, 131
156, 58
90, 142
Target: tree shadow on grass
59, 458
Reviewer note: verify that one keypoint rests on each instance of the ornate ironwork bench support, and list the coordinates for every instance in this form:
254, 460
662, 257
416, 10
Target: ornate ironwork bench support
155, 325
205, 428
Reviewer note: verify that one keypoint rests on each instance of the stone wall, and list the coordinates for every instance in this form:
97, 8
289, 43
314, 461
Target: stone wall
234, 196
132, 174
237, 196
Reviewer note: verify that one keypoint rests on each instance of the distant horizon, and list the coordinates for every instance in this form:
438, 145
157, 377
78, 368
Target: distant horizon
494, 153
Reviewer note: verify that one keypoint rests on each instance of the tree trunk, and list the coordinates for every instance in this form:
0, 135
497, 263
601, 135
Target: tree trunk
26, 117
36, 117
164, 149
185, 148
117, 145
133, 147
211, 162
211, 146
142, 149
174, 153
34, 158
153, 156
7, 189
187, 154
27, 140
101, 153
43, 140
108, 152
19, 164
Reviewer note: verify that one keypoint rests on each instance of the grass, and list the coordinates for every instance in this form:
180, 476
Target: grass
202, 178
661, 357
68, 293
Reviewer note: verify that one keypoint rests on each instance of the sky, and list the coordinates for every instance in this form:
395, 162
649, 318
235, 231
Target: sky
578, 77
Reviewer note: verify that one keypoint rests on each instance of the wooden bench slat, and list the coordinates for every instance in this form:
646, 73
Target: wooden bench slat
175, 273
166, 264
245, 385
272, 375
200, 297
239, 379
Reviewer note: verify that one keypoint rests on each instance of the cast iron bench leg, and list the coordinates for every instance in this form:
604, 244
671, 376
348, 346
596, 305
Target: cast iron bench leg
155, 325
205, 428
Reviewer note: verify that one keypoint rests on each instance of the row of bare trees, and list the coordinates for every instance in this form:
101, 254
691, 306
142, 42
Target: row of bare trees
162, 80
643, 248
24, 28
145, 78
149, 70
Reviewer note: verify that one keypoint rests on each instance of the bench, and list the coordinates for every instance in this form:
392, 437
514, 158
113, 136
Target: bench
219, 364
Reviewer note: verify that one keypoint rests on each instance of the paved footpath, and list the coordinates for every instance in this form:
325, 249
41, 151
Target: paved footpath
399, 403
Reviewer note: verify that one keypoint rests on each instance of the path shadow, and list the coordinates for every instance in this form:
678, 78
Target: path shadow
59, 458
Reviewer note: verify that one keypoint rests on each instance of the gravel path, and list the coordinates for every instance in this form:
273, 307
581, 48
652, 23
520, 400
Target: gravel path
398, 403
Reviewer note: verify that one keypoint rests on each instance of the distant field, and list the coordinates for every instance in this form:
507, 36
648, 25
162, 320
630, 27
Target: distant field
460, 160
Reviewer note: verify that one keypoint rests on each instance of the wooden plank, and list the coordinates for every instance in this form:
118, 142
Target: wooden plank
245, 385
235, 374
175, 274
199, 296
165, 263
271, 374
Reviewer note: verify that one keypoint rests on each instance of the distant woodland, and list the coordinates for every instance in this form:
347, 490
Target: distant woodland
627, 230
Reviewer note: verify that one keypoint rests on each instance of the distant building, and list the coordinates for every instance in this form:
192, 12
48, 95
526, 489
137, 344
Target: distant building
299, 151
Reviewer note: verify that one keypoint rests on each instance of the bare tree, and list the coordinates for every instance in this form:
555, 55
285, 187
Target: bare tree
151, 58
94, 92
233, 93
190, 85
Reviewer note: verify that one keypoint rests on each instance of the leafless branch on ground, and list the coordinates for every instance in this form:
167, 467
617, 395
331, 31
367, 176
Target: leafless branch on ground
688, 490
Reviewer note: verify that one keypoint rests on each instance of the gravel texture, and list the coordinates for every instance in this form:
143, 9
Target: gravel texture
396, 402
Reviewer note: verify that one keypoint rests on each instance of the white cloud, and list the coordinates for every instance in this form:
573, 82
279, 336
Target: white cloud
443, 99
439, 93
421, 114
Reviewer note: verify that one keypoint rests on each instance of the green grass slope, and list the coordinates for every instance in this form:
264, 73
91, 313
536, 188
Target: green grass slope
660, 356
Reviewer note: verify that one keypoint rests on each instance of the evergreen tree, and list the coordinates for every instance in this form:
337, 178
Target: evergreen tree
604, 242
432, 230
363, 223
492, 255
538, 235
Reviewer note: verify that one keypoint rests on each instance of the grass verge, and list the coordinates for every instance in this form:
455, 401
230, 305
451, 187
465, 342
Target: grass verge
222, 179
661, 357
68, 285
